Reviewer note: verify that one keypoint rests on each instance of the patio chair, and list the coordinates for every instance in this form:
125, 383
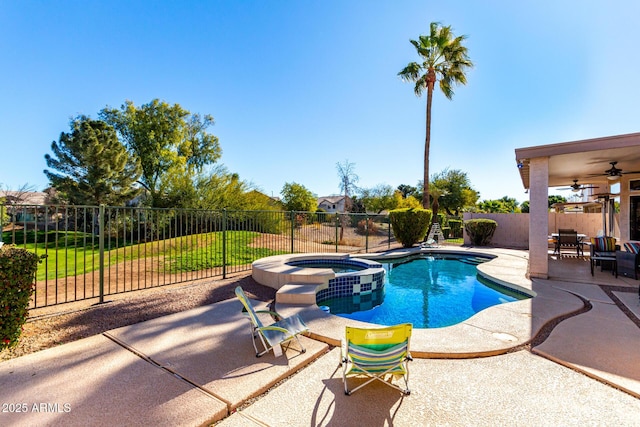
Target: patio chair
283, 331
568, 239
603, 249
375, 354
629, 260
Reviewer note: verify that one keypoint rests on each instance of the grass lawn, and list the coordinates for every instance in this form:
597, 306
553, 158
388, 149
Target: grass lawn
73, 253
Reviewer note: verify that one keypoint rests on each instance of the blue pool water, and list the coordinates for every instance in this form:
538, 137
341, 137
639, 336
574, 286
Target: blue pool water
427, 291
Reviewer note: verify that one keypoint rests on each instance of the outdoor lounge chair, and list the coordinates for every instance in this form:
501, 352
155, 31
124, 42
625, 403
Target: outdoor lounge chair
278, 333
603, 250
376, 353
629, 260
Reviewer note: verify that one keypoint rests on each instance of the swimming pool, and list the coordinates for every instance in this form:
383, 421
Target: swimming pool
428, 290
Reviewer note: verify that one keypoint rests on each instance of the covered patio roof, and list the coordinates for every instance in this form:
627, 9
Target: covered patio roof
588, 161
585, 160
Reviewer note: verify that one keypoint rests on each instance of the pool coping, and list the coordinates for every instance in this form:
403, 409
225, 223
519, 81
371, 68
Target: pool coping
495, 330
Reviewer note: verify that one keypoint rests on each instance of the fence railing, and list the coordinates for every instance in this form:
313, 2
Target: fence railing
95, 251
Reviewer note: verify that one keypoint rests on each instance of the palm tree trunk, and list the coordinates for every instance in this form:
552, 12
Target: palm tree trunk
427, 143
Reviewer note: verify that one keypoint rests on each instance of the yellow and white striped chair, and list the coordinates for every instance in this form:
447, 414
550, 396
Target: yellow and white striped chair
376, 354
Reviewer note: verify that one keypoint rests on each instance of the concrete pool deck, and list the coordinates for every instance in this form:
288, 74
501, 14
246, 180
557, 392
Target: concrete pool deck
198, 367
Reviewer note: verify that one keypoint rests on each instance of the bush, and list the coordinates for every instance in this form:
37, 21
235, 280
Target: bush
480, 231
17, 269
456, 227
410, 225
367, 226
446, 232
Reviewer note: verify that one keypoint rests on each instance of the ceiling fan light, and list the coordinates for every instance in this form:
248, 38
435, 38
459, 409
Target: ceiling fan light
612, 177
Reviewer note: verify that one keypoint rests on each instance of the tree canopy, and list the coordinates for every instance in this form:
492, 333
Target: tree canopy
296, 197
172, 145
94, 167
524, 206
456, 192
221, 189
377, 199
503, 205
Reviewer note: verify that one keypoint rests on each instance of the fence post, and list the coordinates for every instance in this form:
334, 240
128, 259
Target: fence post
389, 231
293, 227
366, 233
224, 243
1, 224
336, 227
101, 251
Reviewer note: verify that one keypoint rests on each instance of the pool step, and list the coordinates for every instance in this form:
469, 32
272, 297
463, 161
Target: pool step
297, 293
472, 261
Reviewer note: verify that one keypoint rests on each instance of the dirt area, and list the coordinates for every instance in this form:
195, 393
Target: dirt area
51, 326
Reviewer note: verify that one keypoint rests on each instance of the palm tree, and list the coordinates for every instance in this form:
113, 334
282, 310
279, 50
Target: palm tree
444, 58
436, 193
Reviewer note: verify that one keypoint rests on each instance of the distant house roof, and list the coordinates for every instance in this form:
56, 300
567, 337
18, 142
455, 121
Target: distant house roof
330, 199
24, 197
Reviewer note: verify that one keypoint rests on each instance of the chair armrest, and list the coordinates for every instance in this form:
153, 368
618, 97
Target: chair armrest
627, 256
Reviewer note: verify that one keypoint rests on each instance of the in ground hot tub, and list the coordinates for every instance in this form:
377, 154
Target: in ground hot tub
320, 277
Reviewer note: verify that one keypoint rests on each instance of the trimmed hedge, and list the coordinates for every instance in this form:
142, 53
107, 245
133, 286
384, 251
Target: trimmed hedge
480, 230
410, 225
17, 270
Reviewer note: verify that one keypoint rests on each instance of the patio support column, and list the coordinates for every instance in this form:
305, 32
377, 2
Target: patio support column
538, 217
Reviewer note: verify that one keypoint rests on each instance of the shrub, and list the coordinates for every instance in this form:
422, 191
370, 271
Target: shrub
410, 225
367, 226
301, 219
456, 227
17, 269
446, 232
480, 231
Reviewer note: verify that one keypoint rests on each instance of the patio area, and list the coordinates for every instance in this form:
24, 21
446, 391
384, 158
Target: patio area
570, 356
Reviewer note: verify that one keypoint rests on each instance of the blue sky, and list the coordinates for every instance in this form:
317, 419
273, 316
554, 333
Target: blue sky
298, 86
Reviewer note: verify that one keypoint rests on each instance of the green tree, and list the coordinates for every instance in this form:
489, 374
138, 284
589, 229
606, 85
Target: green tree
94, 167
444, 58
524, 206
556, 199
296, 197
436, 193
221, 189
503, 205
378, 199
409, 202
407, 190
172, 144
458, 193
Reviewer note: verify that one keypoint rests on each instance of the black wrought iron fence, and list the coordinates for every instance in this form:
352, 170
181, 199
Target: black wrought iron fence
95, 251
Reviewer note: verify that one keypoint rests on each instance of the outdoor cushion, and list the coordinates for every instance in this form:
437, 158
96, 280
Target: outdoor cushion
604, 244
633, 247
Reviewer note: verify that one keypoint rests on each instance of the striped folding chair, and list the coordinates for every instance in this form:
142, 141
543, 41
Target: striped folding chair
275, 335
376, 354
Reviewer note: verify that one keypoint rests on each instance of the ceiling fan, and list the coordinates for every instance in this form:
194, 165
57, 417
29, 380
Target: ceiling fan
575, 187
614, 173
